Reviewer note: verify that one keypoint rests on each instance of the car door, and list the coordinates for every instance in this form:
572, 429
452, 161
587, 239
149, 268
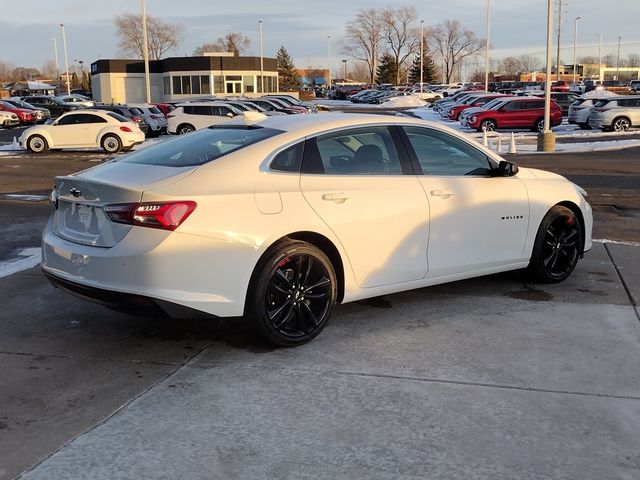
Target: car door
511, 114
367, 195
477, 221
92, 125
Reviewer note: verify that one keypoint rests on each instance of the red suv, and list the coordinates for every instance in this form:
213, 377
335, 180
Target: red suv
519, 112
26, 116
455, 111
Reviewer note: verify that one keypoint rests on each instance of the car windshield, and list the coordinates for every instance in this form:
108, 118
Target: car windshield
493, 103
19, 103
6, 105
200, 147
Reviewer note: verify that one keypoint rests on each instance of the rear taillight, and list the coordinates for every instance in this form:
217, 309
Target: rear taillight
126, 129
164, 215
136, 119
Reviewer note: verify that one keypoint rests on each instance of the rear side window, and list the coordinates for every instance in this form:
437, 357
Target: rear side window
601, 103
197, 110
289, 159
118, 117
200, 147
579, 101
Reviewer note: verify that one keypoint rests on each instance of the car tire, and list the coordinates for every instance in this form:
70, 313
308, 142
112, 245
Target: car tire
538, 126
111, 143
184, 129
37, 144
620, 124
292, 294
557, 247
487, 126
584, 126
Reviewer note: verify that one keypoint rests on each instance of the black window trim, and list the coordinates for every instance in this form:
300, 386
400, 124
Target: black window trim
414, 156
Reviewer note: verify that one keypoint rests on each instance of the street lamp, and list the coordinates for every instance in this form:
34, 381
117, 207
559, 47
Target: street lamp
344, 64
547, 140
55, 51
421, 55
145, 52
486, 66
599, 56
329, 58
261, 58
66, 61
618, 61
575, 41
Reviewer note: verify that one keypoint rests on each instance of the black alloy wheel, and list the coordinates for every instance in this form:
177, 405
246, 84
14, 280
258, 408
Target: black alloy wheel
558, 246
487, 126
293, 294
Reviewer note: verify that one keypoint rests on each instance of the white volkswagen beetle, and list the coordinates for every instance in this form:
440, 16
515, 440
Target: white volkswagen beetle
84, 129
280, 218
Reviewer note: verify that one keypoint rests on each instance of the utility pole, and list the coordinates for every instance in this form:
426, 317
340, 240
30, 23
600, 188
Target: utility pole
145, 48
486, 66
261, 59
559, 30
575, 41
66, 59
547, 139
599, 57
329, 58
421, 55
618, 61
55, 50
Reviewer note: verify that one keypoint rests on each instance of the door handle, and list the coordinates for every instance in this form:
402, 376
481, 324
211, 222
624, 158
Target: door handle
444, 194
335, 197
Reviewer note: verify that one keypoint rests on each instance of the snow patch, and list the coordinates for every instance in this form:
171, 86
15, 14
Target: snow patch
30, 257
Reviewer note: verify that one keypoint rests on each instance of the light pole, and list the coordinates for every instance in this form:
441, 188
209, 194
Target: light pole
559, 31
599, 56
329, 58
145, 52
618, 61
547, 140
575, 42
261, 58
55, 51
66, 61
344, 64
421, 55
486, 66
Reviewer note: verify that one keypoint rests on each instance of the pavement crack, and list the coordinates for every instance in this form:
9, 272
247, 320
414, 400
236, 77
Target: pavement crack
84, 357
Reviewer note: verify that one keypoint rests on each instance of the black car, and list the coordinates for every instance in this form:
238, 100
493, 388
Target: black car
564, 99
55, 106
132, 113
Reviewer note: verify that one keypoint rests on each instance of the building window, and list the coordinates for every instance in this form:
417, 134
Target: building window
186, 85
177, 87
166, 85
205, 86
218, 84
195, 84
248, 81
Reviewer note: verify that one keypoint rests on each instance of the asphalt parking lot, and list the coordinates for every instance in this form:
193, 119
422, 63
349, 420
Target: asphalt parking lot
492, 378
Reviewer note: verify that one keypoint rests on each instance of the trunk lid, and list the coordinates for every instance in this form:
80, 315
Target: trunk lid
81, 198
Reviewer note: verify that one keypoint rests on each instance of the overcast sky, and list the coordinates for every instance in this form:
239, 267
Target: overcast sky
517, 27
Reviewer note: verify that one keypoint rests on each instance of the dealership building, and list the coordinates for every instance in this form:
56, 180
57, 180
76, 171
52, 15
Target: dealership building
176, 79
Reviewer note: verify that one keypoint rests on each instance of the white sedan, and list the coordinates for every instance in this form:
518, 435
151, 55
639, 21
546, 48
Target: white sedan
280, 218
84, 129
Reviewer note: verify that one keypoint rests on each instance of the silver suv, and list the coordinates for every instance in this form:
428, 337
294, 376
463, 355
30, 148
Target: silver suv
617, 113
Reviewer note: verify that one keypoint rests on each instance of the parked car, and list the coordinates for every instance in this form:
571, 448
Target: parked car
426, 94
293, 101
133, 114
616, 114
83, 92
518, 112
579, 112
9, 119
84, 129
286, 105
55, 106
271, 105
453, 113
279, 220
42, 114
25, 115
245, 106
590, 85
79, 99
362, 95
494, 104
560, 86
616, 86
450, 90
154, 118
188, 117
165, 108
564, 99
634, 85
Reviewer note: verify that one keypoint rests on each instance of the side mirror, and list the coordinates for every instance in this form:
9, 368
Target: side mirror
506, 169
230, 115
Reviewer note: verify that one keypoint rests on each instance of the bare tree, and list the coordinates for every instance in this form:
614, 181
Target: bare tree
633, 60
453, 43
25, 73
528, 63
509, 66
235, 42
401, 36
610, 59
6, 69
362, 39
358, 70
588, 59
162, 36
48, 69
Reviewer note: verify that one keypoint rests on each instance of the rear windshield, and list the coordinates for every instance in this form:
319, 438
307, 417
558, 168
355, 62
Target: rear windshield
155, 111
118, 117
200, 147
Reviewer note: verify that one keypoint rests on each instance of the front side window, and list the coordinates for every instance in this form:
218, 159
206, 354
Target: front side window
361, 151
441, 154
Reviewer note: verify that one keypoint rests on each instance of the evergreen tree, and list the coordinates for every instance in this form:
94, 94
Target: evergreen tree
287, 75
429, 71
387, 68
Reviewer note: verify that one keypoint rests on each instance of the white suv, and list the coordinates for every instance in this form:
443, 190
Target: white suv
154, 117
188, 117
616, 114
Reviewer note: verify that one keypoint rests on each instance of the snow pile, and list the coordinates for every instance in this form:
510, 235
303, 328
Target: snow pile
406, 101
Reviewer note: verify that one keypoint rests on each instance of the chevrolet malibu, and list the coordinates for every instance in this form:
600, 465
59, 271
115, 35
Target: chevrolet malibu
277, 219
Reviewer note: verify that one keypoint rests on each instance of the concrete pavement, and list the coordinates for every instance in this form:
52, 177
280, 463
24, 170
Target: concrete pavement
492, 378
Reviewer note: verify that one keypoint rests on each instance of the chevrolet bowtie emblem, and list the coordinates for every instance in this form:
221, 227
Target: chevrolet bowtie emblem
75, 192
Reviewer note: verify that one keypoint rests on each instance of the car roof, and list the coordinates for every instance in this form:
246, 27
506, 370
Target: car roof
205, 103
